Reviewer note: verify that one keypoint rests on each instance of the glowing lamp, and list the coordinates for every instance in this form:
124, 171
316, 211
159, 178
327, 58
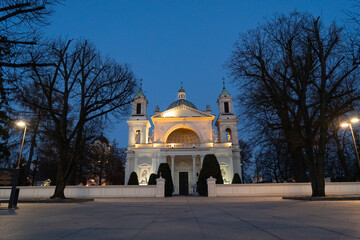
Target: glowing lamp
21, 124
355, 120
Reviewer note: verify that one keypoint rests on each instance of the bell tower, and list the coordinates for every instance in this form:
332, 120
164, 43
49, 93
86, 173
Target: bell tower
226, 122
139, 124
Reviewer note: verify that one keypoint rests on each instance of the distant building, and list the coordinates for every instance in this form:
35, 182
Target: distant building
182, 136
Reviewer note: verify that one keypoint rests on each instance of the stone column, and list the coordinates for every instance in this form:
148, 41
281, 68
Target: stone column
127, 170
194, 170
154, 164
163, 159
201, 160
238, 159
135, 165
172, 167
231, 167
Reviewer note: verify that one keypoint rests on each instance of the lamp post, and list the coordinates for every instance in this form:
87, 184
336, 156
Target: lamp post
21, 124
346, 124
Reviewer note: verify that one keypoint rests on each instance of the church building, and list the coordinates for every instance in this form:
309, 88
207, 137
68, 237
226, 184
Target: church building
182, 135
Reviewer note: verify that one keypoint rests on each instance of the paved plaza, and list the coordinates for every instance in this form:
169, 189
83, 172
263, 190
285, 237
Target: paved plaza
183, 218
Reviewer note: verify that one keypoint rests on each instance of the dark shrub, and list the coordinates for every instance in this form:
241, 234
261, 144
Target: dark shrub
236, 179
152, 179
165, 172
211, 168
133, 179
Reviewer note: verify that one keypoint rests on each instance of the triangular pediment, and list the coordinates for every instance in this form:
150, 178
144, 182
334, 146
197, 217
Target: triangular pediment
181, 112
183, 164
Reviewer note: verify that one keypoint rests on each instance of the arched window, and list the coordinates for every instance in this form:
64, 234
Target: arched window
226, 107
228, 135
138, 108
137, 137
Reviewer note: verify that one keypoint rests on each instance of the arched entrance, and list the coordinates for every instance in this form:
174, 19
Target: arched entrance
183, 162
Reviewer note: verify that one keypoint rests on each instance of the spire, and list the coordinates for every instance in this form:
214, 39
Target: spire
181, 89
224, 91
140, 92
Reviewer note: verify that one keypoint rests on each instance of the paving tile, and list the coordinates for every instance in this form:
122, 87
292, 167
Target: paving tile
183, 218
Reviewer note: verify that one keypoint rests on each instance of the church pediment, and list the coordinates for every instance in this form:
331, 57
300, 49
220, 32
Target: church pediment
182, 111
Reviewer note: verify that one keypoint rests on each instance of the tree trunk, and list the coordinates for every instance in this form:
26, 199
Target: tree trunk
60, 181
61, 171
299, 164
59, 190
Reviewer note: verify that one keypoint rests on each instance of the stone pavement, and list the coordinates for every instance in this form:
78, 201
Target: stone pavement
183, 218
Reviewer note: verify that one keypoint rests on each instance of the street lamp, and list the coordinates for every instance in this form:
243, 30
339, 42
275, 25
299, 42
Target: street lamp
346, 124
21, 124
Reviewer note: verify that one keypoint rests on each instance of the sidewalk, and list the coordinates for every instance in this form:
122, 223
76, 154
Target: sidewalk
184, 218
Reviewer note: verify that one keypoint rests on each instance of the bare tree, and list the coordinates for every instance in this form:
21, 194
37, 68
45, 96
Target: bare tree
78, 88
19, 24
297, 75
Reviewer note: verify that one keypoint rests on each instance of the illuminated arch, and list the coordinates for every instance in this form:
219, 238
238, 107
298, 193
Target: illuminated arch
183, 135
191, 127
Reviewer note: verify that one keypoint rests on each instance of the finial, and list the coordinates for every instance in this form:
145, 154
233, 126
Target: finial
223, 83
181, 85
141, 84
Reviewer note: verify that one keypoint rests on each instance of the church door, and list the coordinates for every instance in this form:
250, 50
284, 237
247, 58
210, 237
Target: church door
183, 183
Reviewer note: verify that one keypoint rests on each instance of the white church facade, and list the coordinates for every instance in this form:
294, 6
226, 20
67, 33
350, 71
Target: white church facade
182, 136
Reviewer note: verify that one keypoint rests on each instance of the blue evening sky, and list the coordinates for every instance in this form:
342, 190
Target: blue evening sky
173, 41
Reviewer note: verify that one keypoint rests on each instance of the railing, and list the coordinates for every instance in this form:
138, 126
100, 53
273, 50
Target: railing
182, 145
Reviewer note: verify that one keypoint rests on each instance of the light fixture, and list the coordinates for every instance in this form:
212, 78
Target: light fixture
21, 124
346, 124
355, 120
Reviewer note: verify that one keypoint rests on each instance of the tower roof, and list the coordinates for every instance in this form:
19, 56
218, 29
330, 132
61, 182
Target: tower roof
224, 91
181, 89
140, 93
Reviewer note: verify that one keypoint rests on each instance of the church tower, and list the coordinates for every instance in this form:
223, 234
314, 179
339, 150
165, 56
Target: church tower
226, 122
139, 124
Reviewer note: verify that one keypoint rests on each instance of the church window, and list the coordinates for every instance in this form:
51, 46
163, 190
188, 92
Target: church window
138, 108
226, 106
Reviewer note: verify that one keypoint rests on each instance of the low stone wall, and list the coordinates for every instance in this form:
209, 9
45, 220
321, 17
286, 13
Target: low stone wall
280, 189
91, 192
220, 190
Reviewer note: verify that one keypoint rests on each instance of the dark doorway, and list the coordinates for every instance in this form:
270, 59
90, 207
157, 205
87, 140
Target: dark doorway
183, 183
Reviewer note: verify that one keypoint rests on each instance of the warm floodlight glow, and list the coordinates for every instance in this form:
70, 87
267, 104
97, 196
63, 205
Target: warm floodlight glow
344, 125
21, 123
169, 114
355, 120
